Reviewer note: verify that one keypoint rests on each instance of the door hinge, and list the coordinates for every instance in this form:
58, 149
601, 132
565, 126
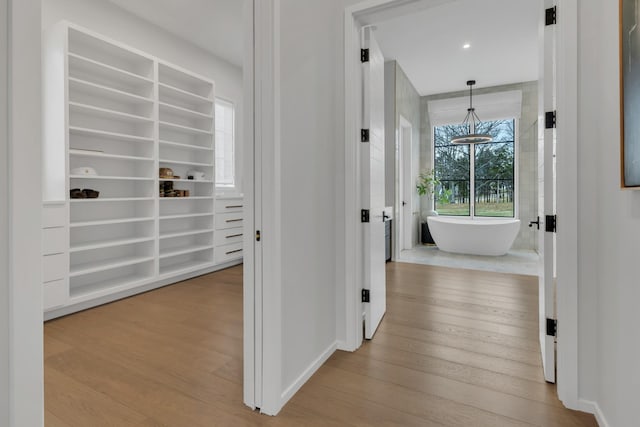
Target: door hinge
550, 120
550, 16
364, 215
550, 223
364, 55
552, 327
364, 135
366, 296
257, 235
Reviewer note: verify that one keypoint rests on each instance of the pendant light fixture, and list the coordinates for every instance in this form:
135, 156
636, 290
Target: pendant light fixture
470, 122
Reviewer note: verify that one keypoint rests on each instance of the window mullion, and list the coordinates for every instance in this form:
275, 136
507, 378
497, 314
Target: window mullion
472, 181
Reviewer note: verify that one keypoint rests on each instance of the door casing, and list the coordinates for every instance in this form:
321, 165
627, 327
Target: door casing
405, 187
21, 324
567, 236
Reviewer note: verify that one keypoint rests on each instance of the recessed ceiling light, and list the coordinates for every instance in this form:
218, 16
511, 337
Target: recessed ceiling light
466, 46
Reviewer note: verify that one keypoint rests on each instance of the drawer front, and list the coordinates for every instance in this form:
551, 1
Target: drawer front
55, 294
229, 205
228, 220
228, 236
54, 240
227, 253
54, 267
54, 216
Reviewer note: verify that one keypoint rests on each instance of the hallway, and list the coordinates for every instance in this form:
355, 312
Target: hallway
456, 348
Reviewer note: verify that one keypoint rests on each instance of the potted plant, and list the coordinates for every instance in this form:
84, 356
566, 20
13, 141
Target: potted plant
427, 183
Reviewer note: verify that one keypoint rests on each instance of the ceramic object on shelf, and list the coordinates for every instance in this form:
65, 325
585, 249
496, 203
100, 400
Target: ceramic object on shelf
195, 175
166, 173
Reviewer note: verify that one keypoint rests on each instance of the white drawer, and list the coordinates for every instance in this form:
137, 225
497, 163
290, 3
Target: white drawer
54, 267
55, 294
54, 216
222, 254
228, 220
229, 205
54, 240
227, 236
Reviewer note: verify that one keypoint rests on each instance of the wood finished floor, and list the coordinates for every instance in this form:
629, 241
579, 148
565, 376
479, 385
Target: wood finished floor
456, 348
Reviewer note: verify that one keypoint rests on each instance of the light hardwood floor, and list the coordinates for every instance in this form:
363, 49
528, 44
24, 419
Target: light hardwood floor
456, 348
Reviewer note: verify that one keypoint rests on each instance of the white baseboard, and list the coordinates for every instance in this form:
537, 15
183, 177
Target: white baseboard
344, 346
304, 377
593, 408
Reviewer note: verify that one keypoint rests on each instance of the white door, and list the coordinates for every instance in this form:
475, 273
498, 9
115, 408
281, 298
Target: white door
406, 186
373, 182
546, 201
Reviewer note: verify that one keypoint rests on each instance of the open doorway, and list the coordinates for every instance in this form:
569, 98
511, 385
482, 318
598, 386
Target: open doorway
364, 16
148, 126
428, 63
408, 215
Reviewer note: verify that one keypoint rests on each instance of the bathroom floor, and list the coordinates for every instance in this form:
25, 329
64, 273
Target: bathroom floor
515, 262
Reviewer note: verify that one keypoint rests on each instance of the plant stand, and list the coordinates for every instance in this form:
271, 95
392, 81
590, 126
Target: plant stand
426, 235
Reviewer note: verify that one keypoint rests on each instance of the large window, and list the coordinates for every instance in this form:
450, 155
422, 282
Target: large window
476, 180
225, 158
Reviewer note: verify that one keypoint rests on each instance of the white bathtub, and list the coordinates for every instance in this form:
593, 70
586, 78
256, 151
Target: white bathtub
491, 237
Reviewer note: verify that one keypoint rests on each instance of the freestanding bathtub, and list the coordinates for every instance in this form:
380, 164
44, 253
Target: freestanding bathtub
491, 237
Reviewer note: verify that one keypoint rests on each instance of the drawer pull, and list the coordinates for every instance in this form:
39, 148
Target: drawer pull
234, 220
233, 252
233, 235
233, 207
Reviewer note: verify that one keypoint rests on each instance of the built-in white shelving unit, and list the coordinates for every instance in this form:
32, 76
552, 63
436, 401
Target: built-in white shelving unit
113, 117
186, 125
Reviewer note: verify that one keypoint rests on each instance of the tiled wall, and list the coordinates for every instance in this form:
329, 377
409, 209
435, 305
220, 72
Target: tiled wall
527, 150
402, 99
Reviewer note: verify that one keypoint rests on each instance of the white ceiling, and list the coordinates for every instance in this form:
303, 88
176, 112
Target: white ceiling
428, 43
213, 25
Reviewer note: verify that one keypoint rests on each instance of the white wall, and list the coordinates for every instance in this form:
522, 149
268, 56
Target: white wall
4, 222
20, 259
407, 101
390, 110
308, 148
610, 228
109, 20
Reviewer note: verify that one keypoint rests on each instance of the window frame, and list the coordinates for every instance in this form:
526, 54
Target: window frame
472, 189
226, 103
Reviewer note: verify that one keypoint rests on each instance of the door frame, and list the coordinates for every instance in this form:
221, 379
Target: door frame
21, 317
567, 185
21, 344
403, 162
266, 196
4, 220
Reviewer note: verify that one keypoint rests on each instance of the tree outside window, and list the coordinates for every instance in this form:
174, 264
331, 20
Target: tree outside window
482, 184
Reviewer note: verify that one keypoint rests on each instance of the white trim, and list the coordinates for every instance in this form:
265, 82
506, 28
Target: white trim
400, 152
5, 321
26, 391
567, 189
249, 321
593, 408
567, 202
267, 162
352, 197
304, 377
